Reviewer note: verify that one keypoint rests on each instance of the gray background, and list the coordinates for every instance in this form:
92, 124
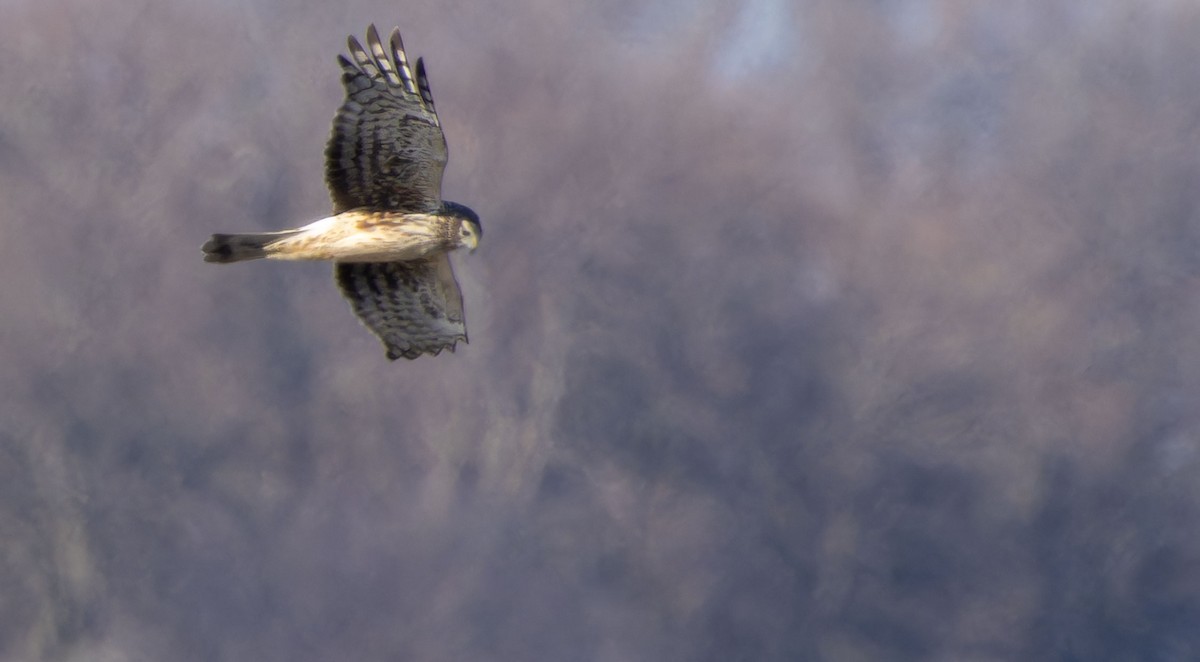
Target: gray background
815, 330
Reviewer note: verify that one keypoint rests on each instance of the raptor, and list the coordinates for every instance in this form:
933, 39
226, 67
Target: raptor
390, 233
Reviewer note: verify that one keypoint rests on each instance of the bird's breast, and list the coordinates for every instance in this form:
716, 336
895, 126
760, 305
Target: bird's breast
385, 236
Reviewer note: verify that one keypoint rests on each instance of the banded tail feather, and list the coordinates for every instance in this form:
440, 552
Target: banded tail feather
226, 248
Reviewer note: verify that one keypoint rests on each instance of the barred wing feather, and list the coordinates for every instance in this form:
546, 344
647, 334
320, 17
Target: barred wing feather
413, 307
387, 150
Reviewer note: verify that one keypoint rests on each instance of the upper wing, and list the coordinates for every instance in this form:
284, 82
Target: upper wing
387, 150
414, 307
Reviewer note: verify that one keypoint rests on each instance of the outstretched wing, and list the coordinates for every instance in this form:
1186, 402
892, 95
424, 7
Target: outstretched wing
387, 151
414, 307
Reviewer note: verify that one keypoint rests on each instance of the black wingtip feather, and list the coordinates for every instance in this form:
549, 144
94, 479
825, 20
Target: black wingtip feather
373, 42
396, 41
361, 57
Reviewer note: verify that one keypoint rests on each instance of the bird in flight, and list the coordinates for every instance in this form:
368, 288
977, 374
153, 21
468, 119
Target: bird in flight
390, 234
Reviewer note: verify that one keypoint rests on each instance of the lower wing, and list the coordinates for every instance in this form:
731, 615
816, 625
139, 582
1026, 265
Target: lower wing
414, 307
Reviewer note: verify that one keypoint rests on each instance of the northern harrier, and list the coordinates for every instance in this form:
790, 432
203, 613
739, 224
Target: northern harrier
390, 231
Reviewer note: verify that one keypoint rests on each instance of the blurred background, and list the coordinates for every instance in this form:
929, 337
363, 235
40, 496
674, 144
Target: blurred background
827, 330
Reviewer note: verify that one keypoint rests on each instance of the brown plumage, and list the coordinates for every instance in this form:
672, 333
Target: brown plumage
391, 232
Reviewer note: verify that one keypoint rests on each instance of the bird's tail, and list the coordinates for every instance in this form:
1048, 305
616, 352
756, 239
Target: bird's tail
239, 247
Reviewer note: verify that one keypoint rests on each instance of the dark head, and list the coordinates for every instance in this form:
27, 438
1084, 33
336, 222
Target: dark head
469, 231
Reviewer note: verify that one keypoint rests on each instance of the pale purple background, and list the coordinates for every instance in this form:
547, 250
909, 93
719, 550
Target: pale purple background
816, 330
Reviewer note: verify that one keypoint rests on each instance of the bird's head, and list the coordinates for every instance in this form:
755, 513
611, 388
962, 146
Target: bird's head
469, 229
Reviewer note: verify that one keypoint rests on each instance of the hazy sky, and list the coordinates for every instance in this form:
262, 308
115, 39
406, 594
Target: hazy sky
813, 330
